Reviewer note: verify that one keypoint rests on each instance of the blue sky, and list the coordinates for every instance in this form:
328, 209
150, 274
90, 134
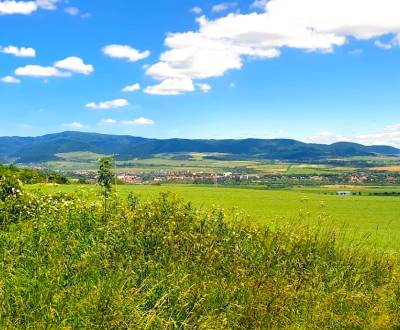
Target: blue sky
228, 70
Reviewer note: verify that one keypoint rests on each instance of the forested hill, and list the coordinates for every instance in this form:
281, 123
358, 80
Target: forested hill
44, 148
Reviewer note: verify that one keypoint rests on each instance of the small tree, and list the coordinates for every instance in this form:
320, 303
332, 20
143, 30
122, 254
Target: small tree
106, 178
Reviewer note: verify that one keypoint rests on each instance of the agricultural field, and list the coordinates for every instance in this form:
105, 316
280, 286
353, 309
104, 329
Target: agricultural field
169, 256
217, 163
372, 220
71, 262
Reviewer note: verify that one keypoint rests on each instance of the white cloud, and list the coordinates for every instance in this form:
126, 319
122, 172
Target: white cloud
12, 7
72, 11
173, 86
19, 52
17, 7
40, 71
259, 4
74, 64
10, 80
389, 135
68, 66
118, 103
138, 122
218, 8
125, 52
131, 88
196, 10
107, 122
394, 42
224, 43
204, 87
326, 137
383, 45
47, 4
75, 125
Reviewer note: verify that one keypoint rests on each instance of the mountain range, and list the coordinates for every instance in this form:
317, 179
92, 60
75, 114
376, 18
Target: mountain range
26, 150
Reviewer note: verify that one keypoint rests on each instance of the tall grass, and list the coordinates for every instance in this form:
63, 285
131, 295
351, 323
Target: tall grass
166, 265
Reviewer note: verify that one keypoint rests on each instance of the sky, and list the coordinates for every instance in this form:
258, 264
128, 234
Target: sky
313, 70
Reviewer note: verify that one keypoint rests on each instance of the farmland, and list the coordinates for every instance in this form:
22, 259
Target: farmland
168, 256
73, 260
205, 162
372, 219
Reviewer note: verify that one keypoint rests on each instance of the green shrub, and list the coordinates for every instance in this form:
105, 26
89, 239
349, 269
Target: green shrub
10, 187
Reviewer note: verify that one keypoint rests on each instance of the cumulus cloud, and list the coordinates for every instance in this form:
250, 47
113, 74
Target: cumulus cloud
138, 122
18, 7
73, 126
131, 88
389, 135
224, 43
74, 64
19, 52
107, 122
10, 80
12, 7
38, 71
174, 86
125, 52
63, 68
105, 105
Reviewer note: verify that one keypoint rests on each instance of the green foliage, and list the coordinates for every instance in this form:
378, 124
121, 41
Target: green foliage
166, 265
30, 176
10, 187
106, 174
371, 219
133, 201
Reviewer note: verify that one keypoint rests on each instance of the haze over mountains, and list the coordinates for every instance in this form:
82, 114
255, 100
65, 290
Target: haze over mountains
44, 148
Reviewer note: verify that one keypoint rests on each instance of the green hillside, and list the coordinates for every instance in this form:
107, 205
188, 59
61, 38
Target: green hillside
45, 148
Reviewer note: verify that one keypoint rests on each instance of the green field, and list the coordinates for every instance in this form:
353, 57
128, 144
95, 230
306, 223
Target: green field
373, 219
78, 261
194, 162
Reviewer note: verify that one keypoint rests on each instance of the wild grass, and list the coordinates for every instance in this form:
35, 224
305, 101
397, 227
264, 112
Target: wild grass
374, 216
163, 264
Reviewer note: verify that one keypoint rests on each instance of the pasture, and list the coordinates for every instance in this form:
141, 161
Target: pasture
373, 220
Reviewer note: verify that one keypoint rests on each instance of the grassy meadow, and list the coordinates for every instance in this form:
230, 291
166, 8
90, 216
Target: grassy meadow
69, 261
375, 220
198, 256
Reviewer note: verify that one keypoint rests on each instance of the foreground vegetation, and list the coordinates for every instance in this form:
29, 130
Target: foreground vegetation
163, 264
31, 176
374, 220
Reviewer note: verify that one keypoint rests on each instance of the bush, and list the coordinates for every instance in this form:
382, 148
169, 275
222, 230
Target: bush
166, 265
10, 187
